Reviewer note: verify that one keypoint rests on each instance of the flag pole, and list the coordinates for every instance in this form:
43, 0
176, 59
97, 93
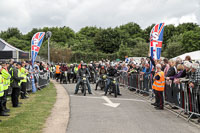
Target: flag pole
48, 35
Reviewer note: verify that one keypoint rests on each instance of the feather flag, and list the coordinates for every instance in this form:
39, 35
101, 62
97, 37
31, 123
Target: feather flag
156, 38
36, 43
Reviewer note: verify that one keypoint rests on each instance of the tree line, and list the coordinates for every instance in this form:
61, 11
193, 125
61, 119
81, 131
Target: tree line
94, 43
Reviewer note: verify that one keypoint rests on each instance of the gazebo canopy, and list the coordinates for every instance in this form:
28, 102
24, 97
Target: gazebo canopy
7, 51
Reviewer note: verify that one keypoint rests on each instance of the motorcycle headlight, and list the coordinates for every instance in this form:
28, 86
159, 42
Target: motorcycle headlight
104, 76
84, 78
114, 81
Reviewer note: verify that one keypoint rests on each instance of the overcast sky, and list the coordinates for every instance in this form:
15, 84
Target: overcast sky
28, 14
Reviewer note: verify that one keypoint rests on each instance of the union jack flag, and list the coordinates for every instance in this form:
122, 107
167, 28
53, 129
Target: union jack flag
36, 43
156, 38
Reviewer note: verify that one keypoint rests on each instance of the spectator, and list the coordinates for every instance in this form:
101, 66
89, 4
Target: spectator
188, 58
124, 67
166, 66
194, 83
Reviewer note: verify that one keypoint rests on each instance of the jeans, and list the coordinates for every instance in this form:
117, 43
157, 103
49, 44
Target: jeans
146, 83
99, 81
108, 83
78, 84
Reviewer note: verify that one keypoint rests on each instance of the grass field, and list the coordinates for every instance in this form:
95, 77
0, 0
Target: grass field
31, 116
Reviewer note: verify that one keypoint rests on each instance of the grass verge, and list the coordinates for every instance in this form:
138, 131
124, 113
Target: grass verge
32, 114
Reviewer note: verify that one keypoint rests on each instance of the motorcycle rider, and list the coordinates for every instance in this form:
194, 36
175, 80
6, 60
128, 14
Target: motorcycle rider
62, 75
102, 72
83, 70
70, 73
111, 72
95, 69
92, 72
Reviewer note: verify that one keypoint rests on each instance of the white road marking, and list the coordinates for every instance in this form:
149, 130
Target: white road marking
109, 102
123, 99
127, 99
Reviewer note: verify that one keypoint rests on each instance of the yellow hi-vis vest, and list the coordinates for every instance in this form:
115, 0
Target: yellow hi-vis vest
1, 86
6, 79
19, 75
159, 85
76, 69
23, 74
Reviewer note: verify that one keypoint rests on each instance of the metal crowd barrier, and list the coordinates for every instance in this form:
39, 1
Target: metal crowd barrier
135, 81
43, 80
176, 95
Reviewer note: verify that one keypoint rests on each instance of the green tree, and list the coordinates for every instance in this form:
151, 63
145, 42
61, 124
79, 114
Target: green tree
181, 28
107, 40
146, 32
191, 41
89, 32
129, 32
11, 32
141, 49
174, 47
124, 50
169, 31
20, 44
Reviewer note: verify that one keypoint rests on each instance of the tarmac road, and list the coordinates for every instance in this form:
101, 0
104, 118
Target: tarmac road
88, 114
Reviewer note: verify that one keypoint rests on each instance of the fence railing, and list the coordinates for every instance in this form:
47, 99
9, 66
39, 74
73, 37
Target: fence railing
178, 95
43, 80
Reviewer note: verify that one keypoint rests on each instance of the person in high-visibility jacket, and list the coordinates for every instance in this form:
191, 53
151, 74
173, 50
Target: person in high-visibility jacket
159, 86
24, 74
1, 92
2, 111
15, 83
6, 82
57, 72
75, 73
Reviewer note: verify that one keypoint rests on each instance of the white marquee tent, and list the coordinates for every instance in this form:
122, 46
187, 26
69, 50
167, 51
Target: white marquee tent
8, 51
195, 55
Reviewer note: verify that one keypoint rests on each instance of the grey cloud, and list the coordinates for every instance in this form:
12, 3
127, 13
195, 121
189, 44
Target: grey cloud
28, 14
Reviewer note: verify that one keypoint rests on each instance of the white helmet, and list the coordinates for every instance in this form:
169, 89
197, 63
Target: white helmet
112, 64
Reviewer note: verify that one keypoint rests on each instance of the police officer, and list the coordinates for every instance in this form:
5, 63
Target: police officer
15, 83
80, 73
24, 74
158, 86
6, 82
2, 111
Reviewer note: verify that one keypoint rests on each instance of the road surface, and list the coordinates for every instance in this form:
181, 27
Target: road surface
125, 114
